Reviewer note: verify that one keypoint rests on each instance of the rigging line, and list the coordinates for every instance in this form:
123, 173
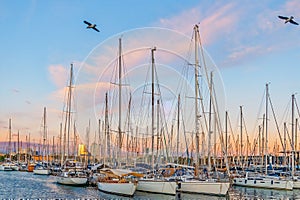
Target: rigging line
258, 114
237, 131
245, 128
139, 122
190, 76
185, 137
286, 113
214, 106
297, 107
232, 133
217, 115
277, 127
289, 137
185, 65
163, 117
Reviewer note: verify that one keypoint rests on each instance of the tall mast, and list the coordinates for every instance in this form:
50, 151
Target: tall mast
69, 107
68, 117
88, 141
18, 146
136, 143
296, 137
152, 103
293, 119
293, 135
26, 155
263, 139
266, 122
128, 129
196, 30
226, 132
284, 142
44, 135
158, 131
120, 104
178, 126
99, 140
61, 153
209, 125
9, 142
75, 139
29, 148
241, 134
107, 128
259, 141
53, 149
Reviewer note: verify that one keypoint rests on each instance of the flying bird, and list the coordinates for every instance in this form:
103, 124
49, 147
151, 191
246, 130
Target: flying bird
90, 25
288, 19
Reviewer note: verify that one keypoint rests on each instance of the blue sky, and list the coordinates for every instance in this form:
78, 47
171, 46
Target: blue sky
245, 39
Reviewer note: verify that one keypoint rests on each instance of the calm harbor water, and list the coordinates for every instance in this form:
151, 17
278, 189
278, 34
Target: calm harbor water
24, 185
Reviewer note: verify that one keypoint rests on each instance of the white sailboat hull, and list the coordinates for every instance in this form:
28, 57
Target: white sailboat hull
160, 187
15, 168
296, 184
5, 168
42, 171
264, 183
204, 187
125, 189
71, 180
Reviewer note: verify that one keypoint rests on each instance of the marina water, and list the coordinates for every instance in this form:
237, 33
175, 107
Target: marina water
24, 185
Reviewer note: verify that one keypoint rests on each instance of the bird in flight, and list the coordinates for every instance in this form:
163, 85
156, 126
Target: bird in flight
288, 19
90, 25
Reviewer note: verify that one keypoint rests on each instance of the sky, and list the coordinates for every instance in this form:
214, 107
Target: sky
247, 42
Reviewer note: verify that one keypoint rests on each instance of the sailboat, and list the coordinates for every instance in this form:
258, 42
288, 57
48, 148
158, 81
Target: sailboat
117, 181
72, 172
193, 184
155, 183
42, 168
113, 180
264, 180
6, 166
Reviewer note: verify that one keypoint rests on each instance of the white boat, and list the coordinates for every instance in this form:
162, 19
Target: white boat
157, 186
124, 189
296, 184
5, 167
264, 182
41, 170
204, 187
72, 177
186, 181
15, 167
117, 181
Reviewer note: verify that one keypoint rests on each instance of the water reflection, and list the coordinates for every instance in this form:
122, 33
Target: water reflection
259, 193
24, 185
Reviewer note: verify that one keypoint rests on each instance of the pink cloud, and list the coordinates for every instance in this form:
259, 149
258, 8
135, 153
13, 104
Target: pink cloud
221, 19
183, 22
58, 75
292, 7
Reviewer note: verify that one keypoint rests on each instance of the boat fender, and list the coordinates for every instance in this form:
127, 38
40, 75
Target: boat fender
178, 185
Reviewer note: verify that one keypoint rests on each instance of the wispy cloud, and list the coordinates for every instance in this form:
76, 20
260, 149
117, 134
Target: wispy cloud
293, 7
58, 74
223, 30
213, 24
15, 90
